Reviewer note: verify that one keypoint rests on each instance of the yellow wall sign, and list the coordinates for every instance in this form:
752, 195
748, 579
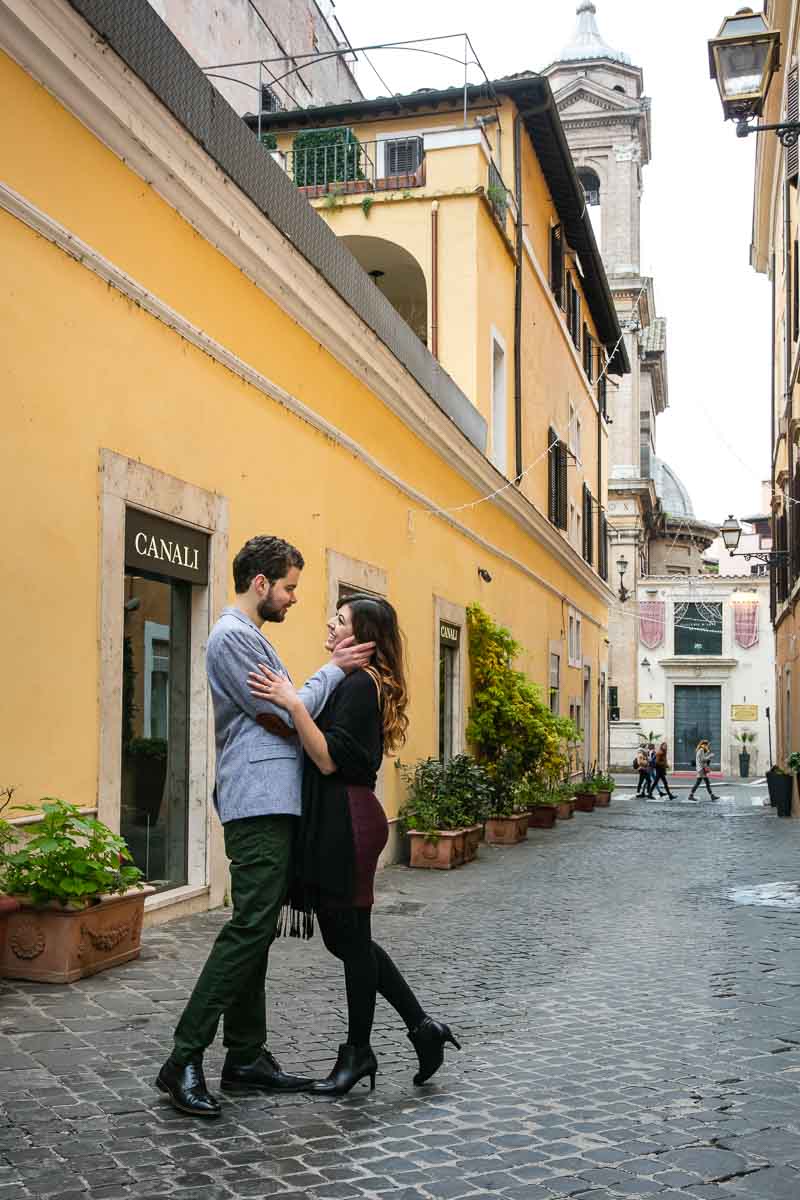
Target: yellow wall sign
651, 710
744, 712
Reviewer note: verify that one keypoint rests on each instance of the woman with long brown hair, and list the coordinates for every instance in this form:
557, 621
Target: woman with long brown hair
343, 830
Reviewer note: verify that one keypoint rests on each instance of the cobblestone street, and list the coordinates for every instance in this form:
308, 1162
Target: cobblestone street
628, 1030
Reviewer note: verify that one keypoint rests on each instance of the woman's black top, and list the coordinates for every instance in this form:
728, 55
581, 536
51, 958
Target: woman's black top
325, 853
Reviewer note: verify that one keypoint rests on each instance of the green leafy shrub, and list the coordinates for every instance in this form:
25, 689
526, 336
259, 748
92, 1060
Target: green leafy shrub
72, 859
323, 156
445, 796
8, 833
510, 727
604, 783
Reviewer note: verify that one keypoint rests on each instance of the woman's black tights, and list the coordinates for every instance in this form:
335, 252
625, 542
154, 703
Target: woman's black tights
347, 934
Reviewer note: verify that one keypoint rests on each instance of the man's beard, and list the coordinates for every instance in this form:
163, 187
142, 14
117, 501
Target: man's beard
267, 611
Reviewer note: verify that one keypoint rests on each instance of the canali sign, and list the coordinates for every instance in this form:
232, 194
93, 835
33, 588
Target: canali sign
162, 547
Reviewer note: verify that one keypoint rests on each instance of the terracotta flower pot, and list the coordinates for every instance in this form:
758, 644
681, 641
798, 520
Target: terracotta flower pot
585, 801
446, 850
8, 905
565, 810
542, 816
602, 799
507, 831
472, 840
60, 945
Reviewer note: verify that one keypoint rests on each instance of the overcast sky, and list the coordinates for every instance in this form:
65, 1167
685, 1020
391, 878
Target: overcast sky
696, 210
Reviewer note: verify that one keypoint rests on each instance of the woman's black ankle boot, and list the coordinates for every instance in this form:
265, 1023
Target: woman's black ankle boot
353, 1063
429, 1040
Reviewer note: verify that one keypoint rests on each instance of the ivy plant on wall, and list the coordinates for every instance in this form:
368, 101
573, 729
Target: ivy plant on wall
323, 156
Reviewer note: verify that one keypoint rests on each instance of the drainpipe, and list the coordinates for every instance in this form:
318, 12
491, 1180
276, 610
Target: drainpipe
435, 279
772, 389
518, 303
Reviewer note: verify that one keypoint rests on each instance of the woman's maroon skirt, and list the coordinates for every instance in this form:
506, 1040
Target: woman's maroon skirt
370, 835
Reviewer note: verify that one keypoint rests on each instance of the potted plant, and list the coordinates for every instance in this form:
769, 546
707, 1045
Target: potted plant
585, 793
8, 838
507, 822
745, 738
444, 810
511, 728
784, 801
605, 785
565, 809
81, 899
540, 800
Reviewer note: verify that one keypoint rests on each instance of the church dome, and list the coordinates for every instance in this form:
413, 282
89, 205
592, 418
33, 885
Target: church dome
586, 42
675, 499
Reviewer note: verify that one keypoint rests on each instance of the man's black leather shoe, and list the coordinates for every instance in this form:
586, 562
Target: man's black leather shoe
186, 1088
263, 1075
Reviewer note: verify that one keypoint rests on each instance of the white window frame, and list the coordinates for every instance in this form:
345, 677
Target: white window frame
125, 482
452, 614
574, 648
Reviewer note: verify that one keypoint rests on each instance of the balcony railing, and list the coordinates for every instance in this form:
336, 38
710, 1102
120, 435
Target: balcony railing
497, 193
348, 167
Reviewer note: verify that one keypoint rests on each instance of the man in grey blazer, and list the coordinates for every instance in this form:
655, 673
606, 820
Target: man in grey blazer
257, 796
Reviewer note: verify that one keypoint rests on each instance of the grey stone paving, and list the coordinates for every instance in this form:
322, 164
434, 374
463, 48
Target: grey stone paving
628, 1031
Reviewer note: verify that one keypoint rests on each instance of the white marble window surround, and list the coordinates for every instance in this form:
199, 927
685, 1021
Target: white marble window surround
453, 614
127, 483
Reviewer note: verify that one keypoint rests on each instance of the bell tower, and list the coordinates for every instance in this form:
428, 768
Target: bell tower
606, 119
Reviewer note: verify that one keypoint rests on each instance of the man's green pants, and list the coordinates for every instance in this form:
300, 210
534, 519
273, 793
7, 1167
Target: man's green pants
232, 983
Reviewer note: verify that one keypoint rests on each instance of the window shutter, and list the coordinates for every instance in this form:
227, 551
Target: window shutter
562, 485
557, 264
795, 291
792, 114
588, 353
602, 547
552, 477
588, 525
602, 395
576, 331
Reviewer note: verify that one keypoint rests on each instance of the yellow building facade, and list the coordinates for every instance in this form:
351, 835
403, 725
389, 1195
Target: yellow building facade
774, 252
189, 358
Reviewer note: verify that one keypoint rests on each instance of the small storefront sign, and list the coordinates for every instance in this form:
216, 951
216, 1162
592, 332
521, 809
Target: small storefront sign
744, 712
651, 711
165, 548
449, 634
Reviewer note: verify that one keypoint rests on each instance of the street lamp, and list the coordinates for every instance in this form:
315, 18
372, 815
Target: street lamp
731, 532
622, 566
743, 58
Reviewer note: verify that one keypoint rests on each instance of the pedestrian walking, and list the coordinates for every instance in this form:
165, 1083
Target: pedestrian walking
702, 762
343, 830
661, 766
258, 800
642, 765
651, 770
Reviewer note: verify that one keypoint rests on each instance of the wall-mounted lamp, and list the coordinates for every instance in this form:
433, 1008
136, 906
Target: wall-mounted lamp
731, 532
484, 574
622, 566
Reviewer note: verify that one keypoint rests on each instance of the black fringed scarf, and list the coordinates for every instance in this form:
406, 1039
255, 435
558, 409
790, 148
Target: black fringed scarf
323, 858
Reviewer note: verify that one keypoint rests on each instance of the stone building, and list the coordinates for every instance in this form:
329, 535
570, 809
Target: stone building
606, 117
240, 32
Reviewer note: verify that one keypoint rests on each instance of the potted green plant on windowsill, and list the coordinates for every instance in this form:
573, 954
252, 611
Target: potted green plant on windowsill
81, 899
745, 739
445, 807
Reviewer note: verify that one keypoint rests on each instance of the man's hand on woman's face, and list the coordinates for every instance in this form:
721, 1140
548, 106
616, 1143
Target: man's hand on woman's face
349, 655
